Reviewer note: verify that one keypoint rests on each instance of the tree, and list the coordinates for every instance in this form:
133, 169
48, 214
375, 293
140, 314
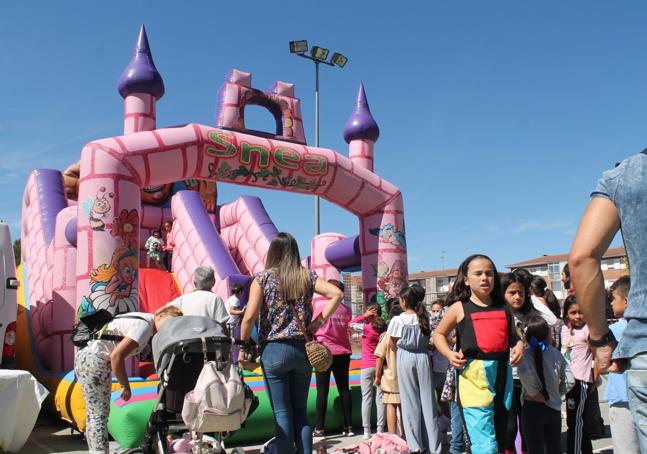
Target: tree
16, 251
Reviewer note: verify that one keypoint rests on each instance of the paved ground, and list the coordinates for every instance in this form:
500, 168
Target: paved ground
52, 436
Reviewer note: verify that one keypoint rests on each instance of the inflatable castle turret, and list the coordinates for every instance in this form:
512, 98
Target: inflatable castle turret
332, 252
361, 132
141, 86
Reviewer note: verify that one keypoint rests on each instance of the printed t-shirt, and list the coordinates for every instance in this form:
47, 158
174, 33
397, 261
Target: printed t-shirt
334, 332
135, 328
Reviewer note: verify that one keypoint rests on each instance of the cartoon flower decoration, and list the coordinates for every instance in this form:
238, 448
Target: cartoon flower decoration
126, 227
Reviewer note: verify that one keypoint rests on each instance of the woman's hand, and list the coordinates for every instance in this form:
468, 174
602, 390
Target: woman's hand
315, 325
126, 393
456, 359
247, 359
516, 354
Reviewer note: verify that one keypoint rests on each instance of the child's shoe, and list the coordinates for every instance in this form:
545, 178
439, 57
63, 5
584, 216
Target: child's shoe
318, 435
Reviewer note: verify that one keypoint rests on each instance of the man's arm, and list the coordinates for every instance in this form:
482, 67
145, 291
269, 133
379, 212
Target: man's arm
598, 226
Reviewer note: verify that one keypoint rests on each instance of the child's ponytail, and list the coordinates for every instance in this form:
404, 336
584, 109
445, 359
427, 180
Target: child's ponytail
413, 297
539, 364
537, 332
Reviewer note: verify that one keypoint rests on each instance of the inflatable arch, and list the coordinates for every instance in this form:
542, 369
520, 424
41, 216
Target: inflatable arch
123, 165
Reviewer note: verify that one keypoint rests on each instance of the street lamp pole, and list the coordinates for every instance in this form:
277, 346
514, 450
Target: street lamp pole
318, 55
317, 199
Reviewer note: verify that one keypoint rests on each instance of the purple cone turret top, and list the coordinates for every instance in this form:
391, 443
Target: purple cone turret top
141, 76
361, 124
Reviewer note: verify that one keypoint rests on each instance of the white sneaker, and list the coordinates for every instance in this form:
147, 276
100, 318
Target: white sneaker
367, 434
348, 432
318, 436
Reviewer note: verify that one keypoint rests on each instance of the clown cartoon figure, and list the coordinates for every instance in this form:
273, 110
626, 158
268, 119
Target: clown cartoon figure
112, 284
100, 209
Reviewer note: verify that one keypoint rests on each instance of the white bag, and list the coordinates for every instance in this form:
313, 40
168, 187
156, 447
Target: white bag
217, 403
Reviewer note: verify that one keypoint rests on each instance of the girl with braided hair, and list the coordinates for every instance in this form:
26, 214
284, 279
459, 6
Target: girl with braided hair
545, 378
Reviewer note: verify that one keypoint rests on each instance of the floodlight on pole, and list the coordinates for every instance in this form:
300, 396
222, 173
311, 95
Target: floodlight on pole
338, 60
299, 47
317, 55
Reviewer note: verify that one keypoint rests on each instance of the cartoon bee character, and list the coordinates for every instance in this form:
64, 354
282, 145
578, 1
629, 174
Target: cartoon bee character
100, 209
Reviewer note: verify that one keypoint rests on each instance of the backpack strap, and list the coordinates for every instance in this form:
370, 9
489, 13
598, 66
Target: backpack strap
114, 337
204, 350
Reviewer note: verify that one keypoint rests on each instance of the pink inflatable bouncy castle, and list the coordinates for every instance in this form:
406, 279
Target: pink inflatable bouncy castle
82, 242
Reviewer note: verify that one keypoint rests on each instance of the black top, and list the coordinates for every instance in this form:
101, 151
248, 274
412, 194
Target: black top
486, 332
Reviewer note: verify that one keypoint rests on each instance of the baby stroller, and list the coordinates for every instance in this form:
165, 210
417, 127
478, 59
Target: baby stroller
180, 350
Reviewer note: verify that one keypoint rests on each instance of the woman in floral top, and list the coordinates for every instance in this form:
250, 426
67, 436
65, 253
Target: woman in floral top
280, 294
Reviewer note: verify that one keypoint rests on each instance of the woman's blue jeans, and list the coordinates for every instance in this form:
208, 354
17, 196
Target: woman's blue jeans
287, 377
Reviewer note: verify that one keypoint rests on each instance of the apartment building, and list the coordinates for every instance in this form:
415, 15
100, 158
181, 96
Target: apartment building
614, 265
437, 283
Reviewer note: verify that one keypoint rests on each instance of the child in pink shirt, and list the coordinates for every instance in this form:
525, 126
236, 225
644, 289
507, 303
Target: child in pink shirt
334, 335
373, 325
576, 350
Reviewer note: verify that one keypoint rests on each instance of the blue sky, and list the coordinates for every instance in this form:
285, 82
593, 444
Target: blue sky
496, 118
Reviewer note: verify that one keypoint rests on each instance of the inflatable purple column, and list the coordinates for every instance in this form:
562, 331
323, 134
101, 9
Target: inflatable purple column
320, 264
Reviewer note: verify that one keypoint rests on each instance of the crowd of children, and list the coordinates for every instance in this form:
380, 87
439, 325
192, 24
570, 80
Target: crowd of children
500, 356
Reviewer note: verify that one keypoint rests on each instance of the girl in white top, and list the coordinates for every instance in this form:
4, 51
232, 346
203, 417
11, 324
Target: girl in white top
153, 248
410, 337
95, 363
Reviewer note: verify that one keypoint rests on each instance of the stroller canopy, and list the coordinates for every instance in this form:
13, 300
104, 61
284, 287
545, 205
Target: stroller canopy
183, 334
